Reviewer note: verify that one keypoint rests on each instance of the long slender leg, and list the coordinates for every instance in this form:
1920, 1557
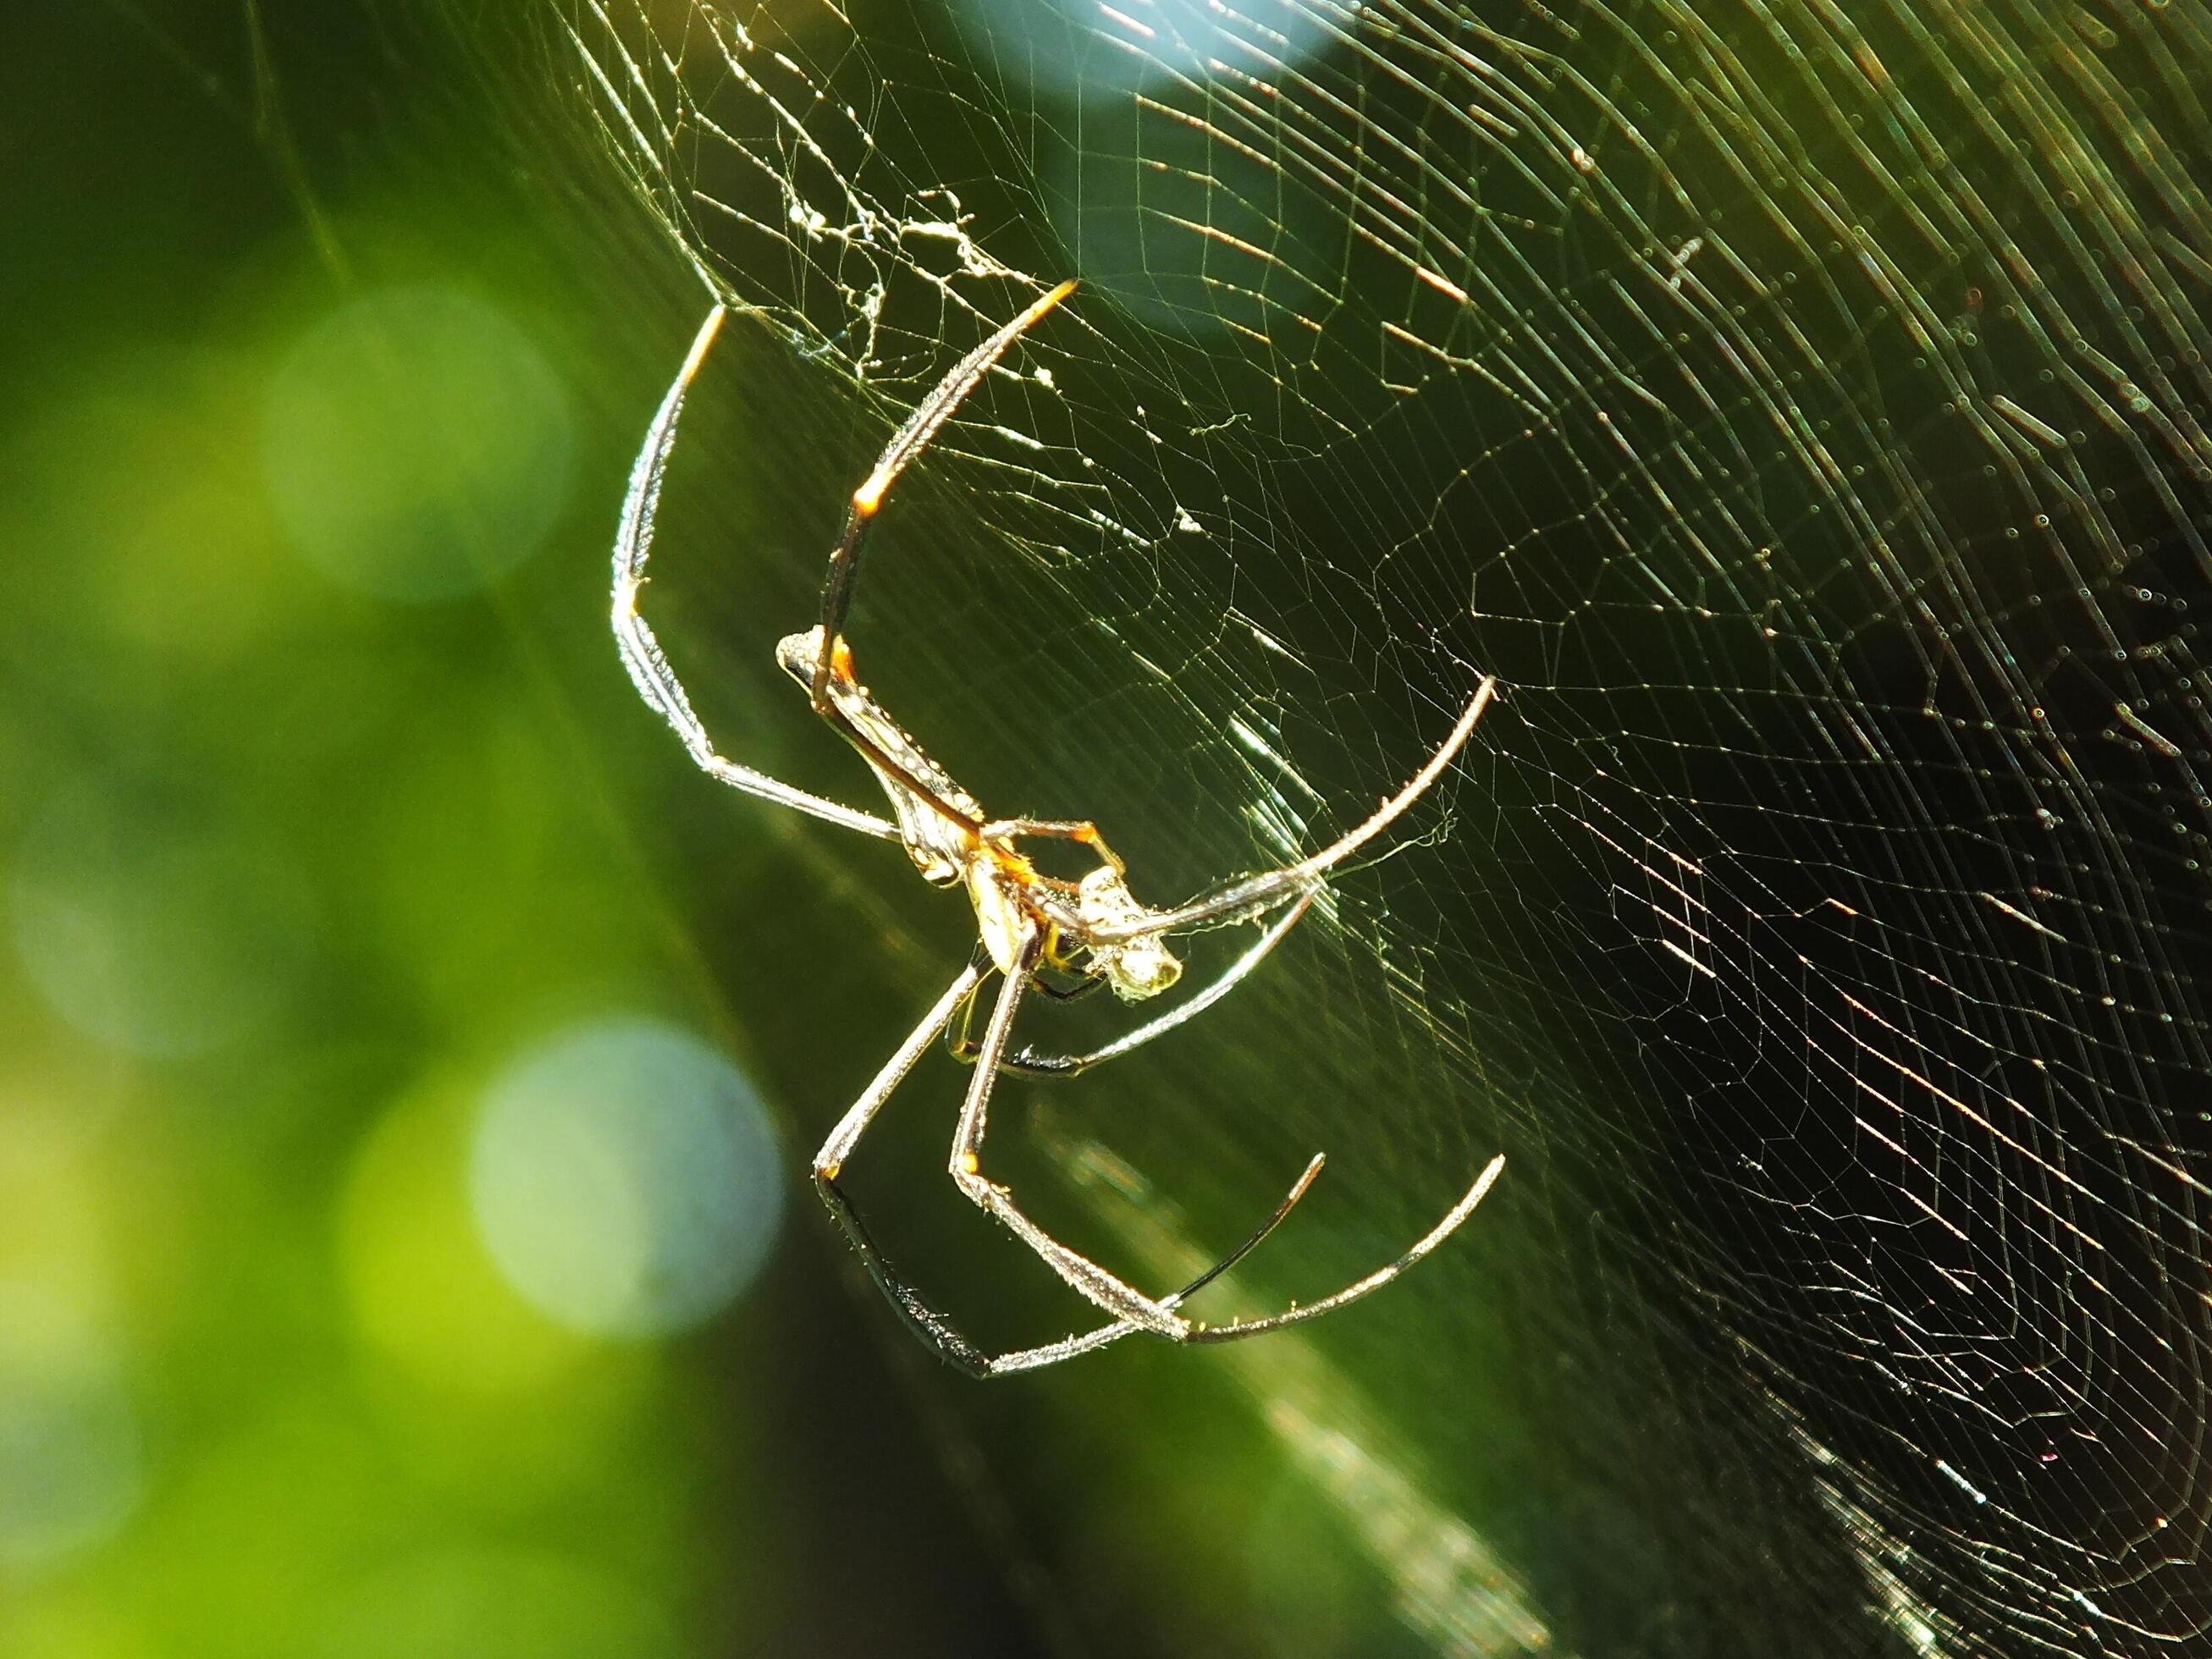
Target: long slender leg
909, 441
1052, 1354
1088, 985
850, 1128
1082, 1275
957, 1351
1087, 1277
1245, 897
963, 1046
1132, 1310
926, 1321
641, 652
1032, 1062
1080, 829
1374, 1281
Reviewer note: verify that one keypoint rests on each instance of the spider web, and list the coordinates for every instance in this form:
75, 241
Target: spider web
1803, 414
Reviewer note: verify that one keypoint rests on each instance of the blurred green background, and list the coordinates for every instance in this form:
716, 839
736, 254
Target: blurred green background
335, 1318
402, 1245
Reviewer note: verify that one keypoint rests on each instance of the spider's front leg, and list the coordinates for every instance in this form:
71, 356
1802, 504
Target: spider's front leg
1087, 1277
1245, 897
641, 651
905, 447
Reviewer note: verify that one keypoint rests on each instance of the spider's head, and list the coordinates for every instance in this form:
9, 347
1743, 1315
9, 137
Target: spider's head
1136, 968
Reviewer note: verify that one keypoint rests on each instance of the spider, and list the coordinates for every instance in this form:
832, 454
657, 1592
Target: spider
1035, 931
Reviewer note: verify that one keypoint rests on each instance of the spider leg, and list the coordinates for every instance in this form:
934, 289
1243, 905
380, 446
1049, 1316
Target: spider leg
963, 1046
932, 1327
1084, 1276
959, 1039
850, 1128
1052, 1354
926, 1321
1075, 992
1080, 829
1033, 1062
957, 1351
641, 652
1234, 901
906, 443
1374, 1281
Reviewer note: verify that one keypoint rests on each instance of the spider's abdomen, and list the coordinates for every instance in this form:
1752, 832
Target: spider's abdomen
939, 846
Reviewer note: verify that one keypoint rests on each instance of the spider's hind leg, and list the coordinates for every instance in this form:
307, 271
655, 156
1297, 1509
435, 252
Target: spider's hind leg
641, 651
1081, 1274
956, 1349
925, 1320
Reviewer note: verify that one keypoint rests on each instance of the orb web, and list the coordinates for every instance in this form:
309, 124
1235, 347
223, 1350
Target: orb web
1803, 414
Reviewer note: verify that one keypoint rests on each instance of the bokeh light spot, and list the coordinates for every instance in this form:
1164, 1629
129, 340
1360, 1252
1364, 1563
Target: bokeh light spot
625, 1179
416, 445
421, 1288
1068, 47
70, 1470
1142, 171
156, 926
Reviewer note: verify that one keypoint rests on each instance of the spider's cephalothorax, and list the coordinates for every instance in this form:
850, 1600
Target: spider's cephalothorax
1033, 930
938, 820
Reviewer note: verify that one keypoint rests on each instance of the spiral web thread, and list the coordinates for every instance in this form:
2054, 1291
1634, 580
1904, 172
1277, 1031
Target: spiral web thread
1804, 415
